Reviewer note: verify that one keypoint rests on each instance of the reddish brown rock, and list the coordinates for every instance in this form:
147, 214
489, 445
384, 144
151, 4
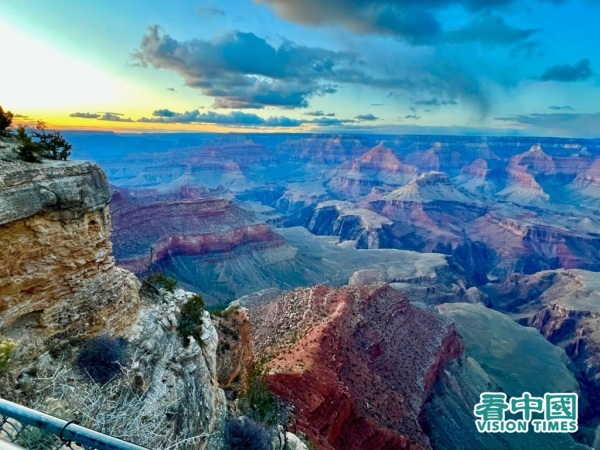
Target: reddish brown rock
357, 362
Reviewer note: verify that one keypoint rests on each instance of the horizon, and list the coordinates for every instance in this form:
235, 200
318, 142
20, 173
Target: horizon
448, 67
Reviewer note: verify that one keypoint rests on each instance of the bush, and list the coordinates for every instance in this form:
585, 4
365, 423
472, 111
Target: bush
52, 145
158, 279
259, 402
191, 319
5, 122
245, 434
6, 350
34, 144
102, 358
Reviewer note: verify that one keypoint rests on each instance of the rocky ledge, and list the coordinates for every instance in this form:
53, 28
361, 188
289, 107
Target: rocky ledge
58, 280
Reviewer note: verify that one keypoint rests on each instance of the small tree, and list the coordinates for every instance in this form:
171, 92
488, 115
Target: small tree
27, 149
5, 122
53, 145
191, 319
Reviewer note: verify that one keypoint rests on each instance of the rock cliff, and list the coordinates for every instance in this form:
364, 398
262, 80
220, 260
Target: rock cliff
58, 279
357, 362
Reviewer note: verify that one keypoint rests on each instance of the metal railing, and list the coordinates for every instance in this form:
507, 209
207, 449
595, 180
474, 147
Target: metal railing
31, 429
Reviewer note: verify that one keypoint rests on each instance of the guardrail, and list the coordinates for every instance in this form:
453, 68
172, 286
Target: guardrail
31, 429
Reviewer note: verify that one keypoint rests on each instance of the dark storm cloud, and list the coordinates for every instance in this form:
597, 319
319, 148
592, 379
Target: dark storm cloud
412, 20
85, 115
232, 118
242, 70
319, 113
559, 108
366, 117
580, 71
110, 117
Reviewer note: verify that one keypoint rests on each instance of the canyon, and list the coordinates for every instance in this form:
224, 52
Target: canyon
370, 275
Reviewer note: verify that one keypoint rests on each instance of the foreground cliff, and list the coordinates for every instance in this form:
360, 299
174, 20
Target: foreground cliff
58, 279
60, 290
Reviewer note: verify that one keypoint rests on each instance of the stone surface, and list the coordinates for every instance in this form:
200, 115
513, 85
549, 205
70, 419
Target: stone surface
58, 280
357, 362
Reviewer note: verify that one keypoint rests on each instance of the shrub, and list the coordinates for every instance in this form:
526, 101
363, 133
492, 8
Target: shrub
5, 122
158, 279
191, 319
246, 434
259, 402
102, 357
27, 150
6, 351
52, 145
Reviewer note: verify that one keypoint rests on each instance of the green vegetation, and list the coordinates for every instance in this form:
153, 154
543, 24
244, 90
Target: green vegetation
191, 319
6, 351
259, 403
5, 122
35, 144
102, 358
158, 279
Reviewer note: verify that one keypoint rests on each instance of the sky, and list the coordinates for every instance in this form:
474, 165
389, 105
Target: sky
516, 67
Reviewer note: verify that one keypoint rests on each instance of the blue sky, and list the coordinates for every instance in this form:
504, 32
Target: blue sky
393, 66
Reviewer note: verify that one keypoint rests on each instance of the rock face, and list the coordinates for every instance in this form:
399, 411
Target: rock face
379, 168
357, 362
148, 232
58, 279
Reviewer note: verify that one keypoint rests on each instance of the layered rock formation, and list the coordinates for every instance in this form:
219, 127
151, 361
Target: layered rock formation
147, 233
58, 279
357, 363
379, 168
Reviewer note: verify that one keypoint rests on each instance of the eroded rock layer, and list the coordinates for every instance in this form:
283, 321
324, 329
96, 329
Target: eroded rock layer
58, 280
357, 362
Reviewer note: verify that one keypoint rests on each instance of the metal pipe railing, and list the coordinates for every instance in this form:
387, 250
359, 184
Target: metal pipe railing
67, 431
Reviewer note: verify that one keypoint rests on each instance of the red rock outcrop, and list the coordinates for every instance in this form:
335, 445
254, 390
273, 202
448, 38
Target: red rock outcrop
149, 232
357, 362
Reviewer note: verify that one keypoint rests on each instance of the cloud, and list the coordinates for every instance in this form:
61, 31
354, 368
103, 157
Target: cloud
319, 113
164, 113
408, 20
435, 102
238, 118
366, 117
377, 104
20, 116
489, 29
110, 117
412, 116
207, 11
171, 89
558, 108
580, 71
558, 124
85, 115
415, 21
328, 121
242, 70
